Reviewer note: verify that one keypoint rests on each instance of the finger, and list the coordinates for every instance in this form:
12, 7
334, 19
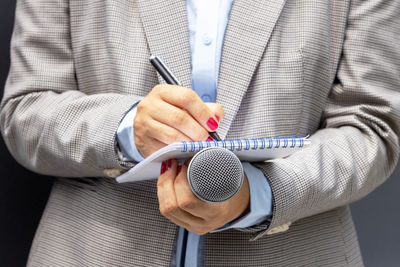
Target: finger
199, 229
167, 197
187, 162
185, 219
185, 198
180, 120
187, 99
213, 209
178, 222
165, 134
165, 182
216, 109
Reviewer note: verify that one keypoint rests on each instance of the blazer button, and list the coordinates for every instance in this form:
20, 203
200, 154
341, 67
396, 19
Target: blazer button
113, 173
279, 229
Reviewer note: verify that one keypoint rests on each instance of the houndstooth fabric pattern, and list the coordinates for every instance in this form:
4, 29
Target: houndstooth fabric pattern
330, 69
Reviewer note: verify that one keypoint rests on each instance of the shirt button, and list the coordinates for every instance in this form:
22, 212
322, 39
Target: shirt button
206, 98
207, 40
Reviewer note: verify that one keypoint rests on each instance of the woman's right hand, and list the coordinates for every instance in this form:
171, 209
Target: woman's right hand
171, 113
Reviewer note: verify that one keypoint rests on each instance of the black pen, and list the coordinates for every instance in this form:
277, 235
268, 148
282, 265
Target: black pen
170, 78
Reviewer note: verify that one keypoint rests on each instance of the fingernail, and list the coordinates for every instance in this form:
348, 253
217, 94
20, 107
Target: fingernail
163, 167
216, 116
179, 169
169, 164
210, 138
212, 124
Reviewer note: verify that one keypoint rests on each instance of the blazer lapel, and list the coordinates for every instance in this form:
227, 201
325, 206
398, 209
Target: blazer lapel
166, 27
249, 29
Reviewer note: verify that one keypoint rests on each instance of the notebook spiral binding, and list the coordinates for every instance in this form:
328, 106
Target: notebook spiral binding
246, 144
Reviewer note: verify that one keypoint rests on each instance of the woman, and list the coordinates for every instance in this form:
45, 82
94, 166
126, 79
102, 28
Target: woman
79, 70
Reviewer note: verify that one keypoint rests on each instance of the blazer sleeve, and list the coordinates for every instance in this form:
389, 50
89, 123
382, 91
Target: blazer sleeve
357, 146
48, 125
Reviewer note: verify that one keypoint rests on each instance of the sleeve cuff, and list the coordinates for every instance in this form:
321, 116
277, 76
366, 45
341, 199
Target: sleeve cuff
125, 134
260, 200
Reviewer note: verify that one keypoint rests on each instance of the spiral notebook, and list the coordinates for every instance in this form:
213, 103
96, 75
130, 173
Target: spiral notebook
251, 150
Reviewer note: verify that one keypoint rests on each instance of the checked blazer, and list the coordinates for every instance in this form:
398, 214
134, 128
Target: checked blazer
327, 68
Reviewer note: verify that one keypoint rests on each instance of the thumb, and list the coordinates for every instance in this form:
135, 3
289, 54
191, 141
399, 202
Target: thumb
217, 109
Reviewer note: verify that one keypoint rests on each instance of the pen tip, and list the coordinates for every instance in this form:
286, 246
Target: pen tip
152, 57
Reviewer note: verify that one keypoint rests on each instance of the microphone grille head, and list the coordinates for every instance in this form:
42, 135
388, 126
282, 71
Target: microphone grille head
215, 174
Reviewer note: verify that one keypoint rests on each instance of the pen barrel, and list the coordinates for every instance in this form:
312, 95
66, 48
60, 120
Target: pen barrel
163, 70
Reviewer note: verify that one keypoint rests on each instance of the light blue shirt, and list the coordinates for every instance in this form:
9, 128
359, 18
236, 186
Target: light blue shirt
207, 20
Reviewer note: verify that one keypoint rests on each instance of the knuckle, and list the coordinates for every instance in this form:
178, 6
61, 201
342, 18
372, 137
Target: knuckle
163, 211
141, 107
180, 181
201, 231
138, 140
161, 183
138, 135
178, 118
158, 88
136, 119
170, 136
168, 209
138, 123
163, 90
189, 97
186, 204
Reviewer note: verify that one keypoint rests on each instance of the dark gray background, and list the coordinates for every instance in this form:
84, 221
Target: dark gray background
23, 195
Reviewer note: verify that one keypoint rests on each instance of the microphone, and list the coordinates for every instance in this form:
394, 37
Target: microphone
215, 174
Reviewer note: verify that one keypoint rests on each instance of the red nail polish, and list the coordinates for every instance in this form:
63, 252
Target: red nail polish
210, 138
212, 124
216, 116
163, 167
179, 169
169, 164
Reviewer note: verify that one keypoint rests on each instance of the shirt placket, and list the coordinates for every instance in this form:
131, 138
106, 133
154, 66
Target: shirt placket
204, 70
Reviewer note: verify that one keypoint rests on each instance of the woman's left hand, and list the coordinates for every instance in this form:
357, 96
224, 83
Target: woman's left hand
178, 203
